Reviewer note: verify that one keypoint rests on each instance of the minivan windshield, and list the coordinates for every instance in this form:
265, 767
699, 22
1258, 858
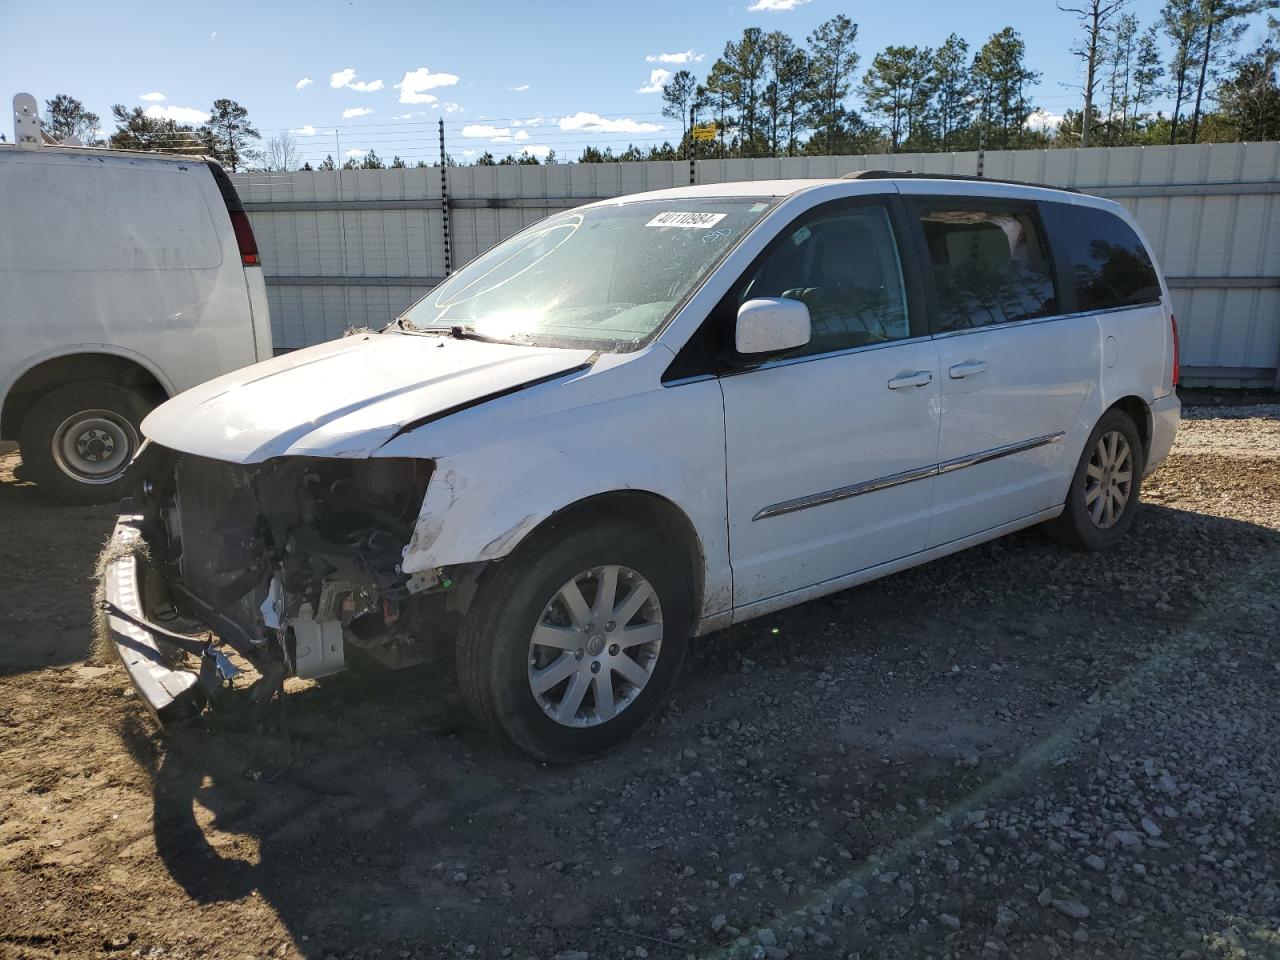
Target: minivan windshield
606, 277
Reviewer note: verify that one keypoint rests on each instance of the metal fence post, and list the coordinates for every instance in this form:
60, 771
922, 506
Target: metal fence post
444, 204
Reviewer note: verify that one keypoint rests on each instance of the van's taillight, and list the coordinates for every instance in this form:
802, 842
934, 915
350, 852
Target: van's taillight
1177, 375
245, 239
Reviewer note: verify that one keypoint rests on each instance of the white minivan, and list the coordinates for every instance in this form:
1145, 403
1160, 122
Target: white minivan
125, 278
645, 419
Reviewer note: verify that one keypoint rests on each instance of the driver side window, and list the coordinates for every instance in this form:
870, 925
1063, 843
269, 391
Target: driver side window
844, 267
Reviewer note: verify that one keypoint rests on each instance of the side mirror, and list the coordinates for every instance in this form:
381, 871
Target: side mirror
771, 325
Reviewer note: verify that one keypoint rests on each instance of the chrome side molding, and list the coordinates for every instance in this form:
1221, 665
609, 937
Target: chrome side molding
908, 476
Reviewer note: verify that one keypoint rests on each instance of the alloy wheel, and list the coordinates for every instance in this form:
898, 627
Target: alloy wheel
595, 646
1108, 479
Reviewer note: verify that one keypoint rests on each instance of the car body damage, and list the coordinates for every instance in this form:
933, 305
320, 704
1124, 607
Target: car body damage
348, 397
310, 540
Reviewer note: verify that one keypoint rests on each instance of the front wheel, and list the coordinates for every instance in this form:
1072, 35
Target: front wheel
575, 641
77, 441
1103, 497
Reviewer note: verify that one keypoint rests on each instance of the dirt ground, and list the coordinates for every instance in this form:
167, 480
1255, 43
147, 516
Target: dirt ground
1017, 751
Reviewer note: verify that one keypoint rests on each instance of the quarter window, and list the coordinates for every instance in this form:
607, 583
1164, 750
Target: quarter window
989, 265
844, 267
1109, 264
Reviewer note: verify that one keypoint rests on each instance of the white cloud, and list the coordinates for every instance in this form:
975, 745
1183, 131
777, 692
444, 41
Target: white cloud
413, 88
214, 35
347, 78
539, 150
355, 112
657, 80
595, 123
776, 5
520, 89
685, 56
452, 108
1043, 120
304, 82
531, 122
355, 154
486, 130
306, 131
177, 114
521, 136
152, 97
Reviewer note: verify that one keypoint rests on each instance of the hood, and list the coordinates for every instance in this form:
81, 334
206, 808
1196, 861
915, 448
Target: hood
348, 397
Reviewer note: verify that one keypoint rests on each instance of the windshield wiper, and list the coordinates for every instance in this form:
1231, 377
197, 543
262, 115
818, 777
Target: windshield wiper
459, 332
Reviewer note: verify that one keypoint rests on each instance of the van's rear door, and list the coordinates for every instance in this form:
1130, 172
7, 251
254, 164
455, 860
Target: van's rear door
247, 244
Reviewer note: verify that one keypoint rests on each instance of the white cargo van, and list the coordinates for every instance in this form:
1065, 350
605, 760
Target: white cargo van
125, 278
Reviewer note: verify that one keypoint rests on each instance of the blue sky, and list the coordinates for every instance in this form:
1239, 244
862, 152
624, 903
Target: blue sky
504, 75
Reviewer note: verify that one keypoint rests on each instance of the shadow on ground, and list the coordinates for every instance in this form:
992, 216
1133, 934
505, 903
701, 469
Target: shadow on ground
798, 744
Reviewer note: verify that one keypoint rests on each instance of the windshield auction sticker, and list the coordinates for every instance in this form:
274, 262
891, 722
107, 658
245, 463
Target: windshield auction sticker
698, 221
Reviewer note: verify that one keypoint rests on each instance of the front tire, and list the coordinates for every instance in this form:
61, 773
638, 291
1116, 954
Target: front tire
77, 441
1103, 498
574, 642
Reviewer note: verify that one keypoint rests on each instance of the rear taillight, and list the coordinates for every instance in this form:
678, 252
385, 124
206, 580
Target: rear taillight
1173, 322
245, 239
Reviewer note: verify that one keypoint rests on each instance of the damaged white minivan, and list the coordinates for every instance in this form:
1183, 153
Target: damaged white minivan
642, 420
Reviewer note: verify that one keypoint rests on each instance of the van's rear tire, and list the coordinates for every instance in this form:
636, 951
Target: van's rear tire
1103, 498
77, 440
501, 656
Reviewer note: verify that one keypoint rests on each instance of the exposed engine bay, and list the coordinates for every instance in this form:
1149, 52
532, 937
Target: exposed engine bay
295, 563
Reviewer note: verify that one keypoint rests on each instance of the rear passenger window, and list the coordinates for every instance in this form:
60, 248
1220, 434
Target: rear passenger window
844, 267
1109, 264
989, 265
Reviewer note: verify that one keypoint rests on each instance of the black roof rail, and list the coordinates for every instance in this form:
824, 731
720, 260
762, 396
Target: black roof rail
908, 175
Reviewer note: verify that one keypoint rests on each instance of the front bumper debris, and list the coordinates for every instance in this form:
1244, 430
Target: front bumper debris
170, 694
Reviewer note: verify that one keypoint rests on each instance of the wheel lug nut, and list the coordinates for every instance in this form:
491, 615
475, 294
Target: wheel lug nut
595, 666
610, 626
613, 649
578, 654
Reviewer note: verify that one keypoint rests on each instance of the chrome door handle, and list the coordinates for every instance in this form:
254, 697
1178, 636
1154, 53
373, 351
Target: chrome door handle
917, 379
970, 368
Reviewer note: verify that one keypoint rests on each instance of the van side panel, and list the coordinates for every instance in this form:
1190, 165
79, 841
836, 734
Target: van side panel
127, 255
1136, 340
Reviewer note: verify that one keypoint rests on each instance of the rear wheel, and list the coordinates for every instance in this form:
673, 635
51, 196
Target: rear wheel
1103, 498
575, 642
77, 441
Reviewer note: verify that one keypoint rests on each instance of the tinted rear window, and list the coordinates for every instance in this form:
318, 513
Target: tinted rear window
1109, 264
989, 265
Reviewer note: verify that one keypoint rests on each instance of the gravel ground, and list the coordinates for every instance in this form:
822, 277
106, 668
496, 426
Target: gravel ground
1017, 751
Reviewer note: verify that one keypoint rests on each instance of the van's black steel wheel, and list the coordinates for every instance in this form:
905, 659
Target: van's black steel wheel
77, 441
575, 641
1103, 497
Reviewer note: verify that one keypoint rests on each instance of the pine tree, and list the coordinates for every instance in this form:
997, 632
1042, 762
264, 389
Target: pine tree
896, 88
742, 79
677, 96
1093, 16
229, 135
1184, 28
1250, 100
65, 117
949, 112
833, 61
1223, 27
1000, 78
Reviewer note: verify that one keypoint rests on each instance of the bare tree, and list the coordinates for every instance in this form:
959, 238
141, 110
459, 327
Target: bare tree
1093, 18
282, 152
